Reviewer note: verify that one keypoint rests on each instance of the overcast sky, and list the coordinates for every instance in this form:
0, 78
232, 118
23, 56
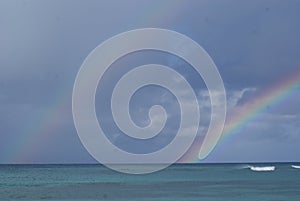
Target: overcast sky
254, 44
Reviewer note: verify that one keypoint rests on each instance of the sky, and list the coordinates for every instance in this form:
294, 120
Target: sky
254, 44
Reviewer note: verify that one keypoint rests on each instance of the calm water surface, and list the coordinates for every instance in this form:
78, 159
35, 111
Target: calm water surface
232, 182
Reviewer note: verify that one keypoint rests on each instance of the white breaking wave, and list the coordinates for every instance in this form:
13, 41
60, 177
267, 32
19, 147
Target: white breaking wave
262, 169
295, 166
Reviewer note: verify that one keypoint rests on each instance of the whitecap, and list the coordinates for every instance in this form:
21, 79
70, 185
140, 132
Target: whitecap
262, 169
295, 166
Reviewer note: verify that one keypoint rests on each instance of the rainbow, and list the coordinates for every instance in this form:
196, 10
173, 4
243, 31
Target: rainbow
49, 122
27, 146
236, 120
270, 97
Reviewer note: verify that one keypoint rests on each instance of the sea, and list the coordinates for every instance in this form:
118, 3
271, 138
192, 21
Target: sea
183, 182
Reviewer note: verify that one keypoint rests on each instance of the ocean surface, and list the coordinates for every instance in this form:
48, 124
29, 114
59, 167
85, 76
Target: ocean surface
214, 182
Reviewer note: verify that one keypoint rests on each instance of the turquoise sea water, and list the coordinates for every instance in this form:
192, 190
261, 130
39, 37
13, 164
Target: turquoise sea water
217, 182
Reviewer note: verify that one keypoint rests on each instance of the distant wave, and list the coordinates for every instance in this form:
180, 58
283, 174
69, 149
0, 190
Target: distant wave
295, 166
242, 166
262, 169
